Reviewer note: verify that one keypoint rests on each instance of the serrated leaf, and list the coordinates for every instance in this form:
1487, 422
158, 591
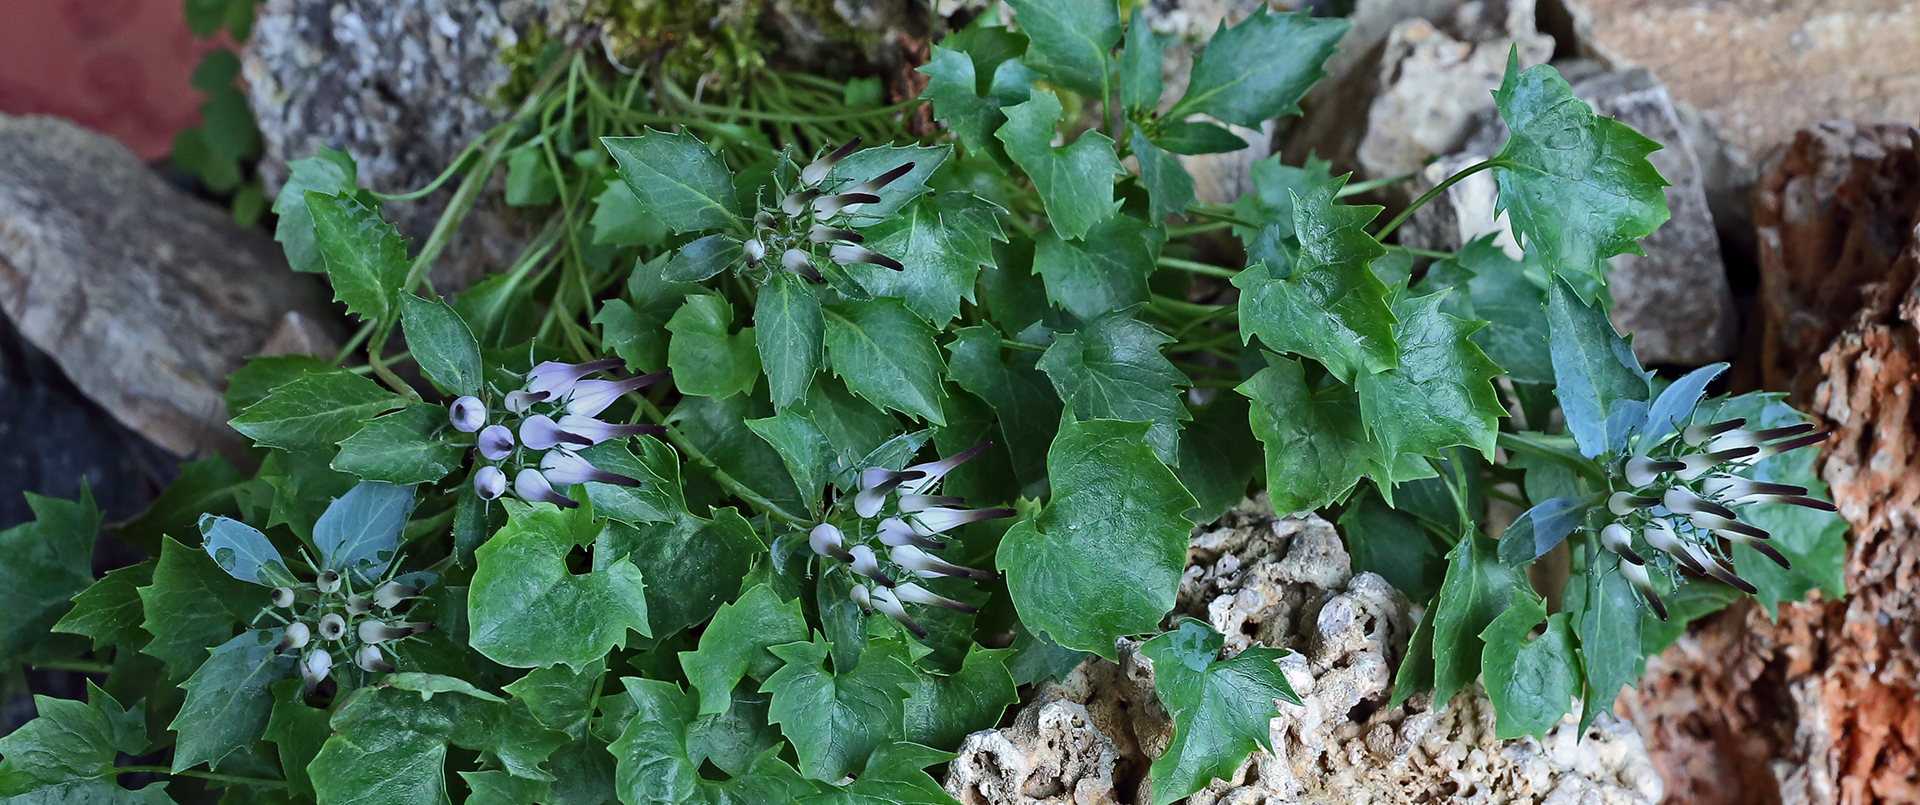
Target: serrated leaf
1070, 40
1441, 392
1531, 682
836, 720
1331, 308
886, 355
657, 762
49, 561
404, 447
441, 344
1200, 137
1075, 181
243, 552
790, 331
1671, 410
313, 412
802, 448
388, 748
894, 776
1104, 559
109, 611
693, 564
298, 732
68, 741
1169, 186
1221, 708
1603, 392
191, 606
1104, 273
657, 499
735, 645
526, 610
702, 259
1576, 185
1539, 529
366, 257
1218, 456
359, 533
676, 179
1498, 288
1609, 629
1274, 187
941, 711
501, 788
327, 172
942, 240
1112, 369
1476, 590
707, 358
1395, 545
971, 110
1315, 445
1022, 398
1259, 68
1141, 79
560, 698
718, 429
619, 220
228, 702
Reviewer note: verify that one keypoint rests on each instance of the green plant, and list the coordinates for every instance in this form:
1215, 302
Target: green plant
220, 150
975, 384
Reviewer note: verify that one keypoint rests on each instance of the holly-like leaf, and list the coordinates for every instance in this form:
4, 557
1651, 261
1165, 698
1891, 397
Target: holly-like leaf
1498, 288
404, 447
1531, 682
298, 732
314, 411
718, 429
526, 610
1104, 559
366, 257
693, 563
1201, 137
1439, 394
971, 111
109, 612
886, 355
658, 756
1141, 78
1316, 447
1070, 40
328, 172
1331, 308
706, 357
836, 720
676, 179
1603, 392
243, 552
791, 334
941, 711
66, 753
703, 258
49, 561
191, 606
1609, 629
228, 702
389, 747
942, 240
895, 775
1477, 589
1540, 528
735, 645
1022, 398
1221, 708
560, 698
1106, 272
657, 499
1259, 68
1112, 369
802, 448
360, 532
1169, 186
1578, 186
441, 344
1075, 181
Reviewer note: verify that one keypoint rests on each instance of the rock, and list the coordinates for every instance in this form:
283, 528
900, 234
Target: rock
1762, 70
1834, 212
1088, 739
147, 299
1336, 108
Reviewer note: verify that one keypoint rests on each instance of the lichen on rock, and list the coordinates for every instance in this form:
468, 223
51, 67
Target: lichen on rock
1287, 582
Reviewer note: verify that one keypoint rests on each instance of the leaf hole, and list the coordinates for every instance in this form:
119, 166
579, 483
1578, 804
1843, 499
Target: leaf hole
579, 561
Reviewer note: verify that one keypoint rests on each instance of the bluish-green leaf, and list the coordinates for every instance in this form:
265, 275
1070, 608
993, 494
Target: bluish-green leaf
703, 258
327, 172
1609, 629
1141, 79
1169, 186
360, 531
243, 552
871, 162
1540, 528
1603, 392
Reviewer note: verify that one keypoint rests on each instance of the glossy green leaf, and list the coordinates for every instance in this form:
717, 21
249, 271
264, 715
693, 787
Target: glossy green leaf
49, 561
1169, 186
1538, 529
1022, 398
527, 610
366, 257
1316, 447
1439, 394
388, 748
1199, 137
1501, 291
560, 698
735, 644
501, 788
1104, 273
228, 699
886, 355
1331, 308
191, 606
703, 258
243, 552
1070, 40
1609, 630
657, 499
315, 411
405, 447
68, 743
941, 711
1221, 708
718, 429
298, 732
1218, 456
676, 179
835, 720
441, 344
327, 172
1532, 682
658, 756
1104, 559
693, 564
942, 240
894, 776
1603, 392
109, 611
707, 358
791, 334
802, 448
1577, 185
1112, 369
1259, 68
971, 111
360, 532
1477, 589
1075, 181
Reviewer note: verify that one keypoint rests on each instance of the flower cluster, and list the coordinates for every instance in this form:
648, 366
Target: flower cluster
811, 218
327, 618
900, 510
525, 438
1678, 499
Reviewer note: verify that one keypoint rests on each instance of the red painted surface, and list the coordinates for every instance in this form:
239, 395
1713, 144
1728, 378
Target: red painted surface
118, 66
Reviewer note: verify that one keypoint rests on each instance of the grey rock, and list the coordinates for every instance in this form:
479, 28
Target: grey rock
1336, 108
146, 298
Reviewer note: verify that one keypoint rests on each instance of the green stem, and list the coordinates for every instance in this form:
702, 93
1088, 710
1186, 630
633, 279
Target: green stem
720, 476
1198, 267
380, 369
1195, 229
261, 782
1372, 184
354, 342
1424, 252
1021, 346
77, 666
1435, 192
1542, 446
1216, 212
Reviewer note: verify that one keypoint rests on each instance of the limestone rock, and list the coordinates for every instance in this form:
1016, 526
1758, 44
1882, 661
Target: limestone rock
1287, 582
146, 298
1763, 70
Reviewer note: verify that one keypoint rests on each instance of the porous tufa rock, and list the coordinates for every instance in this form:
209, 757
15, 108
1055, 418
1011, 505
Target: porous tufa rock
1287, 582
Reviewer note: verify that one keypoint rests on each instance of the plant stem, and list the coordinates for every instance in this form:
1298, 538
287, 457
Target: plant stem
204, 775
1216, 212
77, 666
1431, 194
1372, 184
720, 476
1538, 446
1198, 267
1424, 252
1195, 229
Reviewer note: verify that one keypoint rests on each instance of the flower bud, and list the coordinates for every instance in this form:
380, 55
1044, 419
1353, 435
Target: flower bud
371, 660
826, 540
796, 203
843, 254
884, 600
540, 432
916, 594
467, 414
489, 482
377, 632
1615, 537
596, 431
755, 250
929, 566
1681, 500
566, 468
821, 233
894, 532
1625, 503
358, 605
314, 668
553, 379
532, 487
332, 627
327, 582
519, 401
495, 442
590, 397
858, 594
932, 471
829, 206
1700, 464
282, 597
391, 594
866, 564
1661, 537
939, 518
817, 170
1700, 561
874, 184
1699, 434
919, 503
1636, 575
799, 262
1642, 470
296, 635
1754, 438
